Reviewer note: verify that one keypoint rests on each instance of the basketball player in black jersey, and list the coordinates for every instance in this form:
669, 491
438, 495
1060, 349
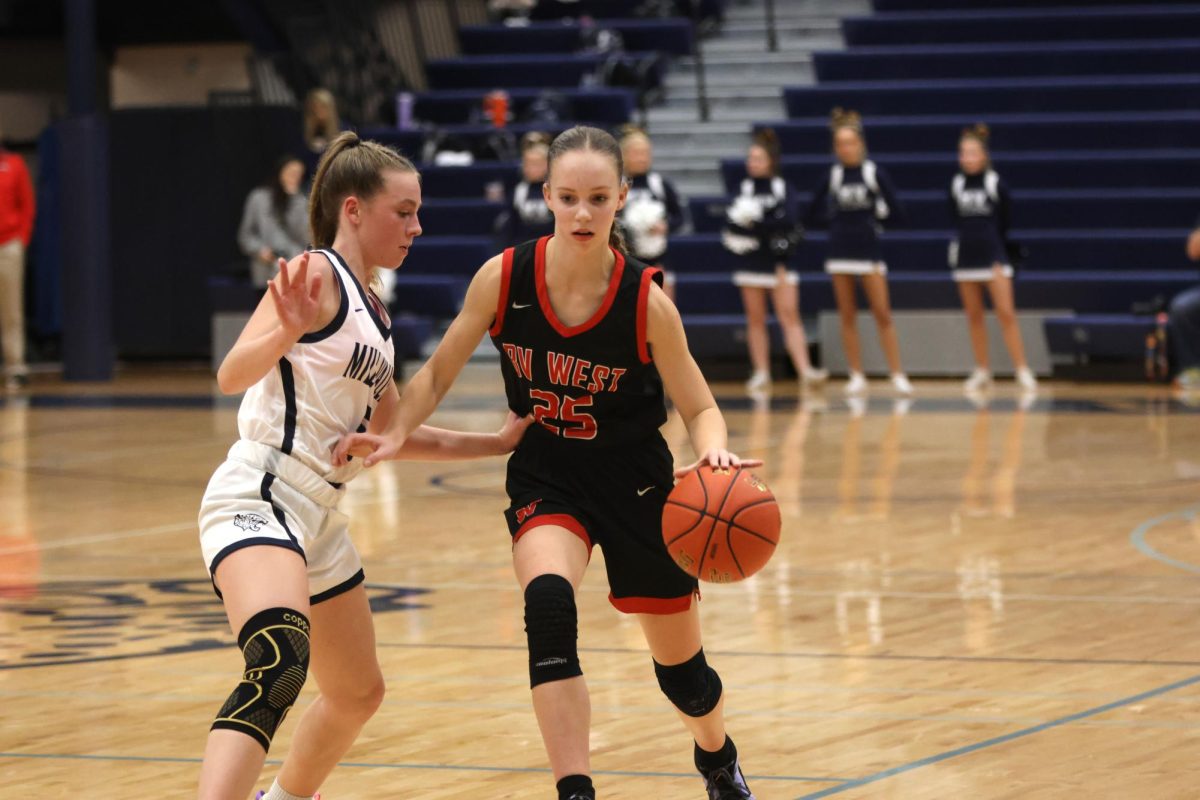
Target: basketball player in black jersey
589, 341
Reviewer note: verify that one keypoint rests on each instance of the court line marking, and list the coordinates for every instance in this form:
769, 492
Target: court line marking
1138, 538
1115, 662
997, 740
101, 537
650, 710
386, 765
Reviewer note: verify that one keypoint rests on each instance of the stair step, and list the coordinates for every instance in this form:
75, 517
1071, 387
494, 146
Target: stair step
747, 46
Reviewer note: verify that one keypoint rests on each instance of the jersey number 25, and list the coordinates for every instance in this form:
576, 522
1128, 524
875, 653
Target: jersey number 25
561, 415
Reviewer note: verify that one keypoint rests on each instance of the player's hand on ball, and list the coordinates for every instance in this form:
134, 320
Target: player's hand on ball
370, 447
719, 458
513, 431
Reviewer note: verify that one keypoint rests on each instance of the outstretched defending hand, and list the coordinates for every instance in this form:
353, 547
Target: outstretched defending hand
513, 430
370, 447
296, 304
719, 458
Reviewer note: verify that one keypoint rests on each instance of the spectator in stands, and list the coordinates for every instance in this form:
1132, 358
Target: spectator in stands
980, 203
653, 209
1184, 325
761, 230
528, 217
321, 125
274, 221
16, 229
516, 10
855, 199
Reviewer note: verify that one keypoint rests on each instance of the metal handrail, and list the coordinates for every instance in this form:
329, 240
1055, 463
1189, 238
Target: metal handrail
772, 36
702, 107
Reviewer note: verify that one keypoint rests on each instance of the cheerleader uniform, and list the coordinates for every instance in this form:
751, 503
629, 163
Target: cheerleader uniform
760, 227
854, 201
644, 190
980, 204
528, 217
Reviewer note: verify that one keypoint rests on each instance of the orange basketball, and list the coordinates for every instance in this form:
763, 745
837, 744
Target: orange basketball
721, 525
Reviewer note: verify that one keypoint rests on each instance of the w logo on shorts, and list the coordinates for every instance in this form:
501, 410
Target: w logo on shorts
249, 522
526, 512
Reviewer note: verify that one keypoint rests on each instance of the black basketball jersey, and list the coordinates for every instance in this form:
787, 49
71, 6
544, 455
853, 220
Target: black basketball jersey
593, 384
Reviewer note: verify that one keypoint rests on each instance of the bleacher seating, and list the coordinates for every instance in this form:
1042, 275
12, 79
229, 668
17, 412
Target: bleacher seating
1094, 107
667, 35
542, 71
1054, 24
909, 62
983, 96
1095, 114
1010, 132
601, 104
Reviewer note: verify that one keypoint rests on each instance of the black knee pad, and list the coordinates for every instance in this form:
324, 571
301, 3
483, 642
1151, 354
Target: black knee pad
551, 626
693, 686
275, 646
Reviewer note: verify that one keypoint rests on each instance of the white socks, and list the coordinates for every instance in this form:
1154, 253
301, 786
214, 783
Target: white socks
276, 792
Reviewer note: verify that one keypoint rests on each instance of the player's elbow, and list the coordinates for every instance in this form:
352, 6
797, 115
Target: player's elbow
228, 382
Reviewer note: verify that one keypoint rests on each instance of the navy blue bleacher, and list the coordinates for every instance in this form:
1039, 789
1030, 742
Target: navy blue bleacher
909, 62
601, 104
1094, 293
1091, 337
555, 70
443, 252
468, 181
1054, 24
1078, 169
999, 95
666, 35
1077, 251
1033, 209
951, 5
1028, 131
460, 216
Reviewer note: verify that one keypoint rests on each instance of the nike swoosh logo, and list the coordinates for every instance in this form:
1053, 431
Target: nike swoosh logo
643, 491
527, 305
360, 309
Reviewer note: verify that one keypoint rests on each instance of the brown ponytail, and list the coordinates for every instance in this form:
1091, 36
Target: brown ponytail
349, 166
583, 137
769, 142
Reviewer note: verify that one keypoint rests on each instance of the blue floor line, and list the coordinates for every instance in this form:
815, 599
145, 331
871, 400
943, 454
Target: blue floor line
1138, 538
385, 765
1008, 737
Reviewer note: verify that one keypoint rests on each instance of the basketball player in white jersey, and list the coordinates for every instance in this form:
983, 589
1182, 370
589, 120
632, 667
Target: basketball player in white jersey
316, 362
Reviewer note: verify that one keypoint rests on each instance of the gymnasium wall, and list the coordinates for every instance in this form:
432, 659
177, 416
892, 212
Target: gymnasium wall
179, 179
177, 75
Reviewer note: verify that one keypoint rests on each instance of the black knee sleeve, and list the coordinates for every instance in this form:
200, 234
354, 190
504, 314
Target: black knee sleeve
693, 686
551, 626
275, 646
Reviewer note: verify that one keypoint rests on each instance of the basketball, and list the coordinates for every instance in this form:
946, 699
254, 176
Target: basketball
721, 525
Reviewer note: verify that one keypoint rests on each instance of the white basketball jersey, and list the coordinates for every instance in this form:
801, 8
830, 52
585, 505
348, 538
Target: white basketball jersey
327, 385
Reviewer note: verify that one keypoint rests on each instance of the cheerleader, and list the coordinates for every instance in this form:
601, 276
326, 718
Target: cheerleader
761, 229
653, 209
980, 203
855, 199
528, 216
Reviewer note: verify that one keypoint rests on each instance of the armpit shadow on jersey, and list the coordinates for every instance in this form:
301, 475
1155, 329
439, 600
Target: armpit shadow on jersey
90, 621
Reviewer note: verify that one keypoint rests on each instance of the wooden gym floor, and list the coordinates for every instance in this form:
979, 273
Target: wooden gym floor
994, 602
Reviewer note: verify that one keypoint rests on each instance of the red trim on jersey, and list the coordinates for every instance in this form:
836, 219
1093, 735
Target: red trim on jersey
643, 312
562, 521
543, 293
502, 303
651, 605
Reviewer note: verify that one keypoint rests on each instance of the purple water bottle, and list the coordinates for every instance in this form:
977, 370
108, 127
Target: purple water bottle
404, 109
